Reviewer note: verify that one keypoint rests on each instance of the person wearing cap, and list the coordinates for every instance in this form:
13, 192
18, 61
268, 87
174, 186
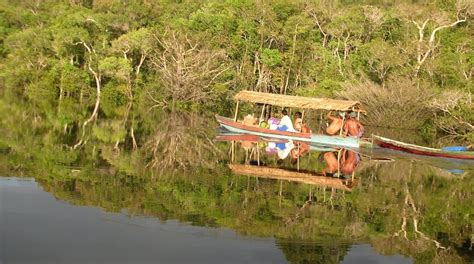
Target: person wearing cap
353, 127
336, 123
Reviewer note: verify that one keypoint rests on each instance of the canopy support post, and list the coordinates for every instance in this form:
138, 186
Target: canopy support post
232, 151
320, 122
342, 127
339, 162
302, 118
280, 192
258, 154
236, 111
261, 115
298, 159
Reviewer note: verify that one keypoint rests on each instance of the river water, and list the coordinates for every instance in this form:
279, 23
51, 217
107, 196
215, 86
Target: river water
36, 227
387, 208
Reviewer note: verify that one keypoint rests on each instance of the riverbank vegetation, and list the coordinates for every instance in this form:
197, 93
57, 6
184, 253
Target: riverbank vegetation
95, 74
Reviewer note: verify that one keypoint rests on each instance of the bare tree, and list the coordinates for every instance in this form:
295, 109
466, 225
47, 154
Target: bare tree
91, 53
320, 20
426, 46
188, 71
170, 144
450, 119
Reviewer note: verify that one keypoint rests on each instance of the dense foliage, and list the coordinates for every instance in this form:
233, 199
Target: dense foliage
94, 73
399, 208
130, 85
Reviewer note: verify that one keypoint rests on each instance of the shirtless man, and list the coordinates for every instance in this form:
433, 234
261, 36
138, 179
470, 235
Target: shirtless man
353, 127
335, 126
331, 164
350, 161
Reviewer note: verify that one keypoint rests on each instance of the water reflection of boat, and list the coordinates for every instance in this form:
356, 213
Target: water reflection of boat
420, 150
294, 102
236, 127
254, 138
449, 165
260, 162
294, 176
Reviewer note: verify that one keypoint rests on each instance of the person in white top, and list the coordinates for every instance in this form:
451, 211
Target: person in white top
283, 153
285, 122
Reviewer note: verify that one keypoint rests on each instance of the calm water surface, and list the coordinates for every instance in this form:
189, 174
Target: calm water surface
36, 227
387, 207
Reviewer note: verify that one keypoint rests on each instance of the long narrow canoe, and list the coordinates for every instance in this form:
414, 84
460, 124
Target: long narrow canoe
420, 150
325, 140
294, 176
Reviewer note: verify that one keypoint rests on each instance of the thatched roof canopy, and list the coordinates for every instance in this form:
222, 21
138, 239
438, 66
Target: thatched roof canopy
298, 101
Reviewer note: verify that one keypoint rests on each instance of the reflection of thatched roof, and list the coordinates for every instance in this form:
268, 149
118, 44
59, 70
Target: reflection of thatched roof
298, 101
288, 175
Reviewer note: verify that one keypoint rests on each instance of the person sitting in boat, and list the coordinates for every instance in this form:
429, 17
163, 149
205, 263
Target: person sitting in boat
336, 123
349, 161
250, 120
331, 163
353, 127
271, 148
299, 150
299, 125
298, 121
273, 123
285, 122
284, 149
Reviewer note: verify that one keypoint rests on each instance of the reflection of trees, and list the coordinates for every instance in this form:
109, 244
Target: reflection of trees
408, 205
181, 141
301, 252
424, 216
309, 223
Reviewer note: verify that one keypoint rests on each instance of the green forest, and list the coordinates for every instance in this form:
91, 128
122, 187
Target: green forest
116, 74
102, 100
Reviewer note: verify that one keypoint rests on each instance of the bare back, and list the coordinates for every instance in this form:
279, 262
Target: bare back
353, 128
350, 161
331, 162
335, 126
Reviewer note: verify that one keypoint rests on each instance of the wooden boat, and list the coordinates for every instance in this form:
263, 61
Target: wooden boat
299, 102
323, 140
238, 137
294, 176
420, 150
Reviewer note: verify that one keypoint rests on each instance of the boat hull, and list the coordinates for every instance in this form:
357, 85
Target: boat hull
236, 127
420, 150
